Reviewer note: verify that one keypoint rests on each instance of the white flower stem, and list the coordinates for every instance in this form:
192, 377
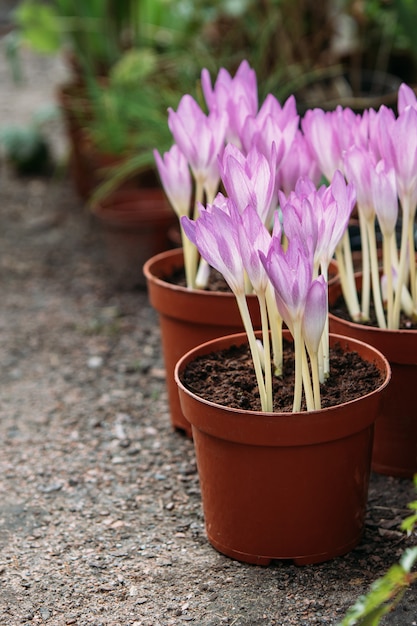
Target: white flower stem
298, 356
412, 257
324, 356
275, 323
247, 323
347, 279
189, 249
376, 285
365, 262
388, 265
308, 390
402, 268
190, 260
267, 350
316, 381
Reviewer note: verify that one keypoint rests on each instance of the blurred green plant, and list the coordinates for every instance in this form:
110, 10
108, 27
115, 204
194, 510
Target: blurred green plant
386, 592
26, 147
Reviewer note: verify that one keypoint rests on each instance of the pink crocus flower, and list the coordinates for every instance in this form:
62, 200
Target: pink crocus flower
384, 194
175, 178
215, 234
358, 165
253, 236
249, 180
291, 273
380, 123
330, 133
200, 138
399, 149
323, 139
406, 98
300, 162
315, 314
298, 215
273, 125
237, 96
337, 202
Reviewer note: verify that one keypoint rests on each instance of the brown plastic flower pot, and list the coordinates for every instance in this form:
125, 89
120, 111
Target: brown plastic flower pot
283, 485
188, 318
135, 225
395, 442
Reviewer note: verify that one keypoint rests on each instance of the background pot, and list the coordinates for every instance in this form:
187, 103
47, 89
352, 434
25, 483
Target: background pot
395, 442
135, 225
283, 485
188, 318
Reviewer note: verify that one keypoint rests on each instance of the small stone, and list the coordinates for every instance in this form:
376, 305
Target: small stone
45, 613
94, 362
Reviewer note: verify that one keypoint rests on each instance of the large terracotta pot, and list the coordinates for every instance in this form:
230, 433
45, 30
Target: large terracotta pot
188, 318
395, 443
135, 225
283, 485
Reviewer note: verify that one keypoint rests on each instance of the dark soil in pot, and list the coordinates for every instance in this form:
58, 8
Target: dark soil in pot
228, 378
216, 282
340, 310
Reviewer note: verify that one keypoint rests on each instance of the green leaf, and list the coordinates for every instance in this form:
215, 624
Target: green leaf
39, 26
409, 559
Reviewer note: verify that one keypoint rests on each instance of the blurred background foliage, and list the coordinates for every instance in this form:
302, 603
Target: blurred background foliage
136, 58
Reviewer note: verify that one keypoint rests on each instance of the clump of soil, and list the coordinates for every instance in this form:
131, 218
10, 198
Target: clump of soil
228, 378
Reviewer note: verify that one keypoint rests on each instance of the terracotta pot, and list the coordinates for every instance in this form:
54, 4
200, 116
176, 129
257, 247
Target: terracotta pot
135, 225
395, 443
283, 485
188, 318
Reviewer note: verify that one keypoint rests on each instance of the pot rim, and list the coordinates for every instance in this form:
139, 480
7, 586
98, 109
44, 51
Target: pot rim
210, 346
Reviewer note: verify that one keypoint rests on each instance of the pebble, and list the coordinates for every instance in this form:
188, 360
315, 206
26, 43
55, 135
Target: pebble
95, 362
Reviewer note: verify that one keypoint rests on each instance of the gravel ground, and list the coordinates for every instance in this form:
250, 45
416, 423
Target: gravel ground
100, 511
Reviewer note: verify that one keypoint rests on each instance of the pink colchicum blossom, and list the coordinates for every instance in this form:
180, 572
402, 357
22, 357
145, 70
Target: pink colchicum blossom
249, 180
321, 214
299, 163
253, 236
338, 201
384, 195
358, 166
324, 141
406, 98
237, 96
175, 178
200, 138
216, 236
330, 133
291, 274
273, 125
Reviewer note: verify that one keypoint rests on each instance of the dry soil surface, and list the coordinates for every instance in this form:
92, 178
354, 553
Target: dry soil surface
100, 512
